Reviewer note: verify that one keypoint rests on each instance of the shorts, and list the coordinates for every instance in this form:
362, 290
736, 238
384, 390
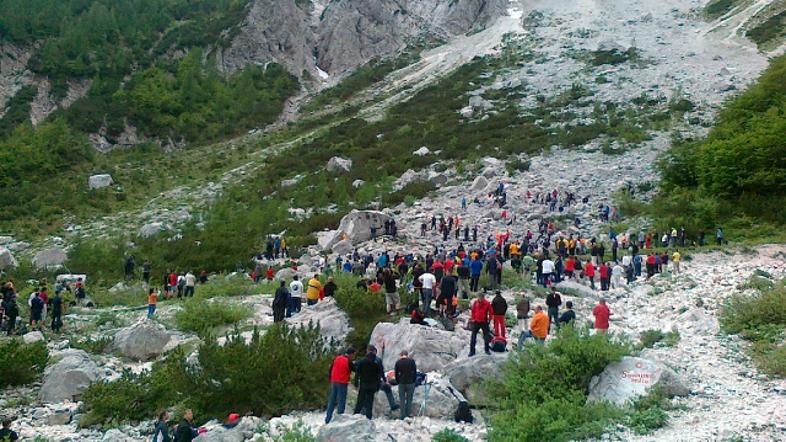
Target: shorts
392, 298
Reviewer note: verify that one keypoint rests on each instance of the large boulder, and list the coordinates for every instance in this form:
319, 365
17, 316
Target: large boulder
431, 348
69, 377
339, 165
142, 341
49, 258
441, 403
342, 247
356, 225
468, 374
625, 381
333, 322
346, 427
479, 184
150, 230
99, 181
7, 259
409, 177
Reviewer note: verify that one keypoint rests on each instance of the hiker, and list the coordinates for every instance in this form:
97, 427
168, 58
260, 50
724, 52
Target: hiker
429, 281
447, 291
161, 430
522, 313
181, 284
36, 311
616, 275
547, 268
499, 307
480, 316
330, 288
539, 328
6, 434
384, 385
553, 301
340, 371
152, 300
11, 311
568, 316
280, 302
146, 271
190, 284
602, 314
314, 287
406, 372
392, 298
129, 267
185, 431
295, 294
589, 272
367, 377
675, 262
475, 267
57, 312
605, 276
173, 284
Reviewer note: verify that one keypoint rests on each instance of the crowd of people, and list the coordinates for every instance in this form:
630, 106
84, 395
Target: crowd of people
43, 307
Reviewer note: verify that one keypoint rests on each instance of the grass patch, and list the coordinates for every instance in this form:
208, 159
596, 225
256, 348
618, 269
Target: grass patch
771, 30
717, 8
649, 338
202, 317
760, 319
448, 435
90, 345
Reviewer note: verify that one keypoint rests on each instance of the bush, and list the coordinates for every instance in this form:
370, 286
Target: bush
651, 337
364, 309
448, 435
201, 316
272, 374
21, 363
542, 390
761, 319
648, 413
91, 345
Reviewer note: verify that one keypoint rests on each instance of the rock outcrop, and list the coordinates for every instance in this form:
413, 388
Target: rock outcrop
354, 227
99, 181
7, 259
333, 322
432, 348
69, 377
339, 165
142, 341
631, 378
346, 427
49, 258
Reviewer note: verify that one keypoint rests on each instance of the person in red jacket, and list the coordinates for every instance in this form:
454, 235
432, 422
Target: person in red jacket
570, 267
589, 272
481, 315
602, 314
605, 276
340, 372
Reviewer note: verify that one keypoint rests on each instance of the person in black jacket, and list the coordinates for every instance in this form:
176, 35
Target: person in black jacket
280, 302
568, 316
57, 312
367, 376
553, 301
185, 431
330, 288
499, 307
406, 372
447, 290
161, 430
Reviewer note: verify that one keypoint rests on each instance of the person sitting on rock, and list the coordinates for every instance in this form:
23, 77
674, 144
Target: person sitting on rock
539, 328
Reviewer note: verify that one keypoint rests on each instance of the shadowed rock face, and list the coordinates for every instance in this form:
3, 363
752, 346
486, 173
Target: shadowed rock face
339, 35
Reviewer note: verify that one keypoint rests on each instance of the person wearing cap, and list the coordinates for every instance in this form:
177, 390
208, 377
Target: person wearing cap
340, 371
6, 433
280, 302
232, 420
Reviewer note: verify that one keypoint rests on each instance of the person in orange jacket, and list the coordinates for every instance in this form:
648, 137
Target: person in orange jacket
538, 329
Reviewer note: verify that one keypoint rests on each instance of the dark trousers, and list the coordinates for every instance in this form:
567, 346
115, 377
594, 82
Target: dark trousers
11, 324
278, 314
476, 328
554, 316
57, 322
293, 306
473, 283
189, 291
604, 283
405, 394
365, 401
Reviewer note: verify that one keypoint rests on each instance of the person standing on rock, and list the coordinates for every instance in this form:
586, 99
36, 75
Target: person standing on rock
295, 298
152, 300
429, 281
340, 372
480, 317
675, 262
602, 314
406, 372
280, 301
161, 430
367, 378
553, 302
589, 272
314, 287
500, 308
36, 311
185, 431
475, 267
392, 298
522, 312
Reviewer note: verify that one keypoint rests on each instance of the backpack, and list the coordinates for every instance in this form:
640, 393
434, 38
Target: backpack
463, 413
499, 344
420, 378
448, 324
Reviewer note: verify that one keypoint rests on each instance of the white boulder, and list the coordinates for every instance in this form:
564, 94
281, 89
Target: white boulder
339, 165
422, 151
33, 337
99, 181
342, 247
7, 259
357, 184
431, 348
630, 378
49, 258
246, 427
142, 341
150, 230
468, 374
346, 427
442, 401
69, 377
479, 184
333, 322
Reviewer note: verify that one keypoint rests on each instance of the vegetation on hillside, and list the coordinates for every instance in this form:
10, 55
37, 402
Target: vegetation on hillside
21, 363
735, 178
760, 319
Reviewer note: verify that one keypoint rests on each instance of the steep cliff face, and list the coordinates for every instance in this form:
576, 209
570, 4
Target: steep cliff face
338, 35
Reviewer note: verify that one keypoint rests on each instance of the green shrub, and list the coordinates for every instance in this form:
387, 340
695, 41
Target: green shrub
202, 317
651, 337
760, 318
21, 363
364, 309
448, 435
542, 390
91, 345
648, 413
298, 433
274, 373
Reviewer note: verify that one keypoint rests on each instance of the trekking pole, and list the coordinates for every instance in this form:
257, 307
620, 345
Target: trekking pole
425, 399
